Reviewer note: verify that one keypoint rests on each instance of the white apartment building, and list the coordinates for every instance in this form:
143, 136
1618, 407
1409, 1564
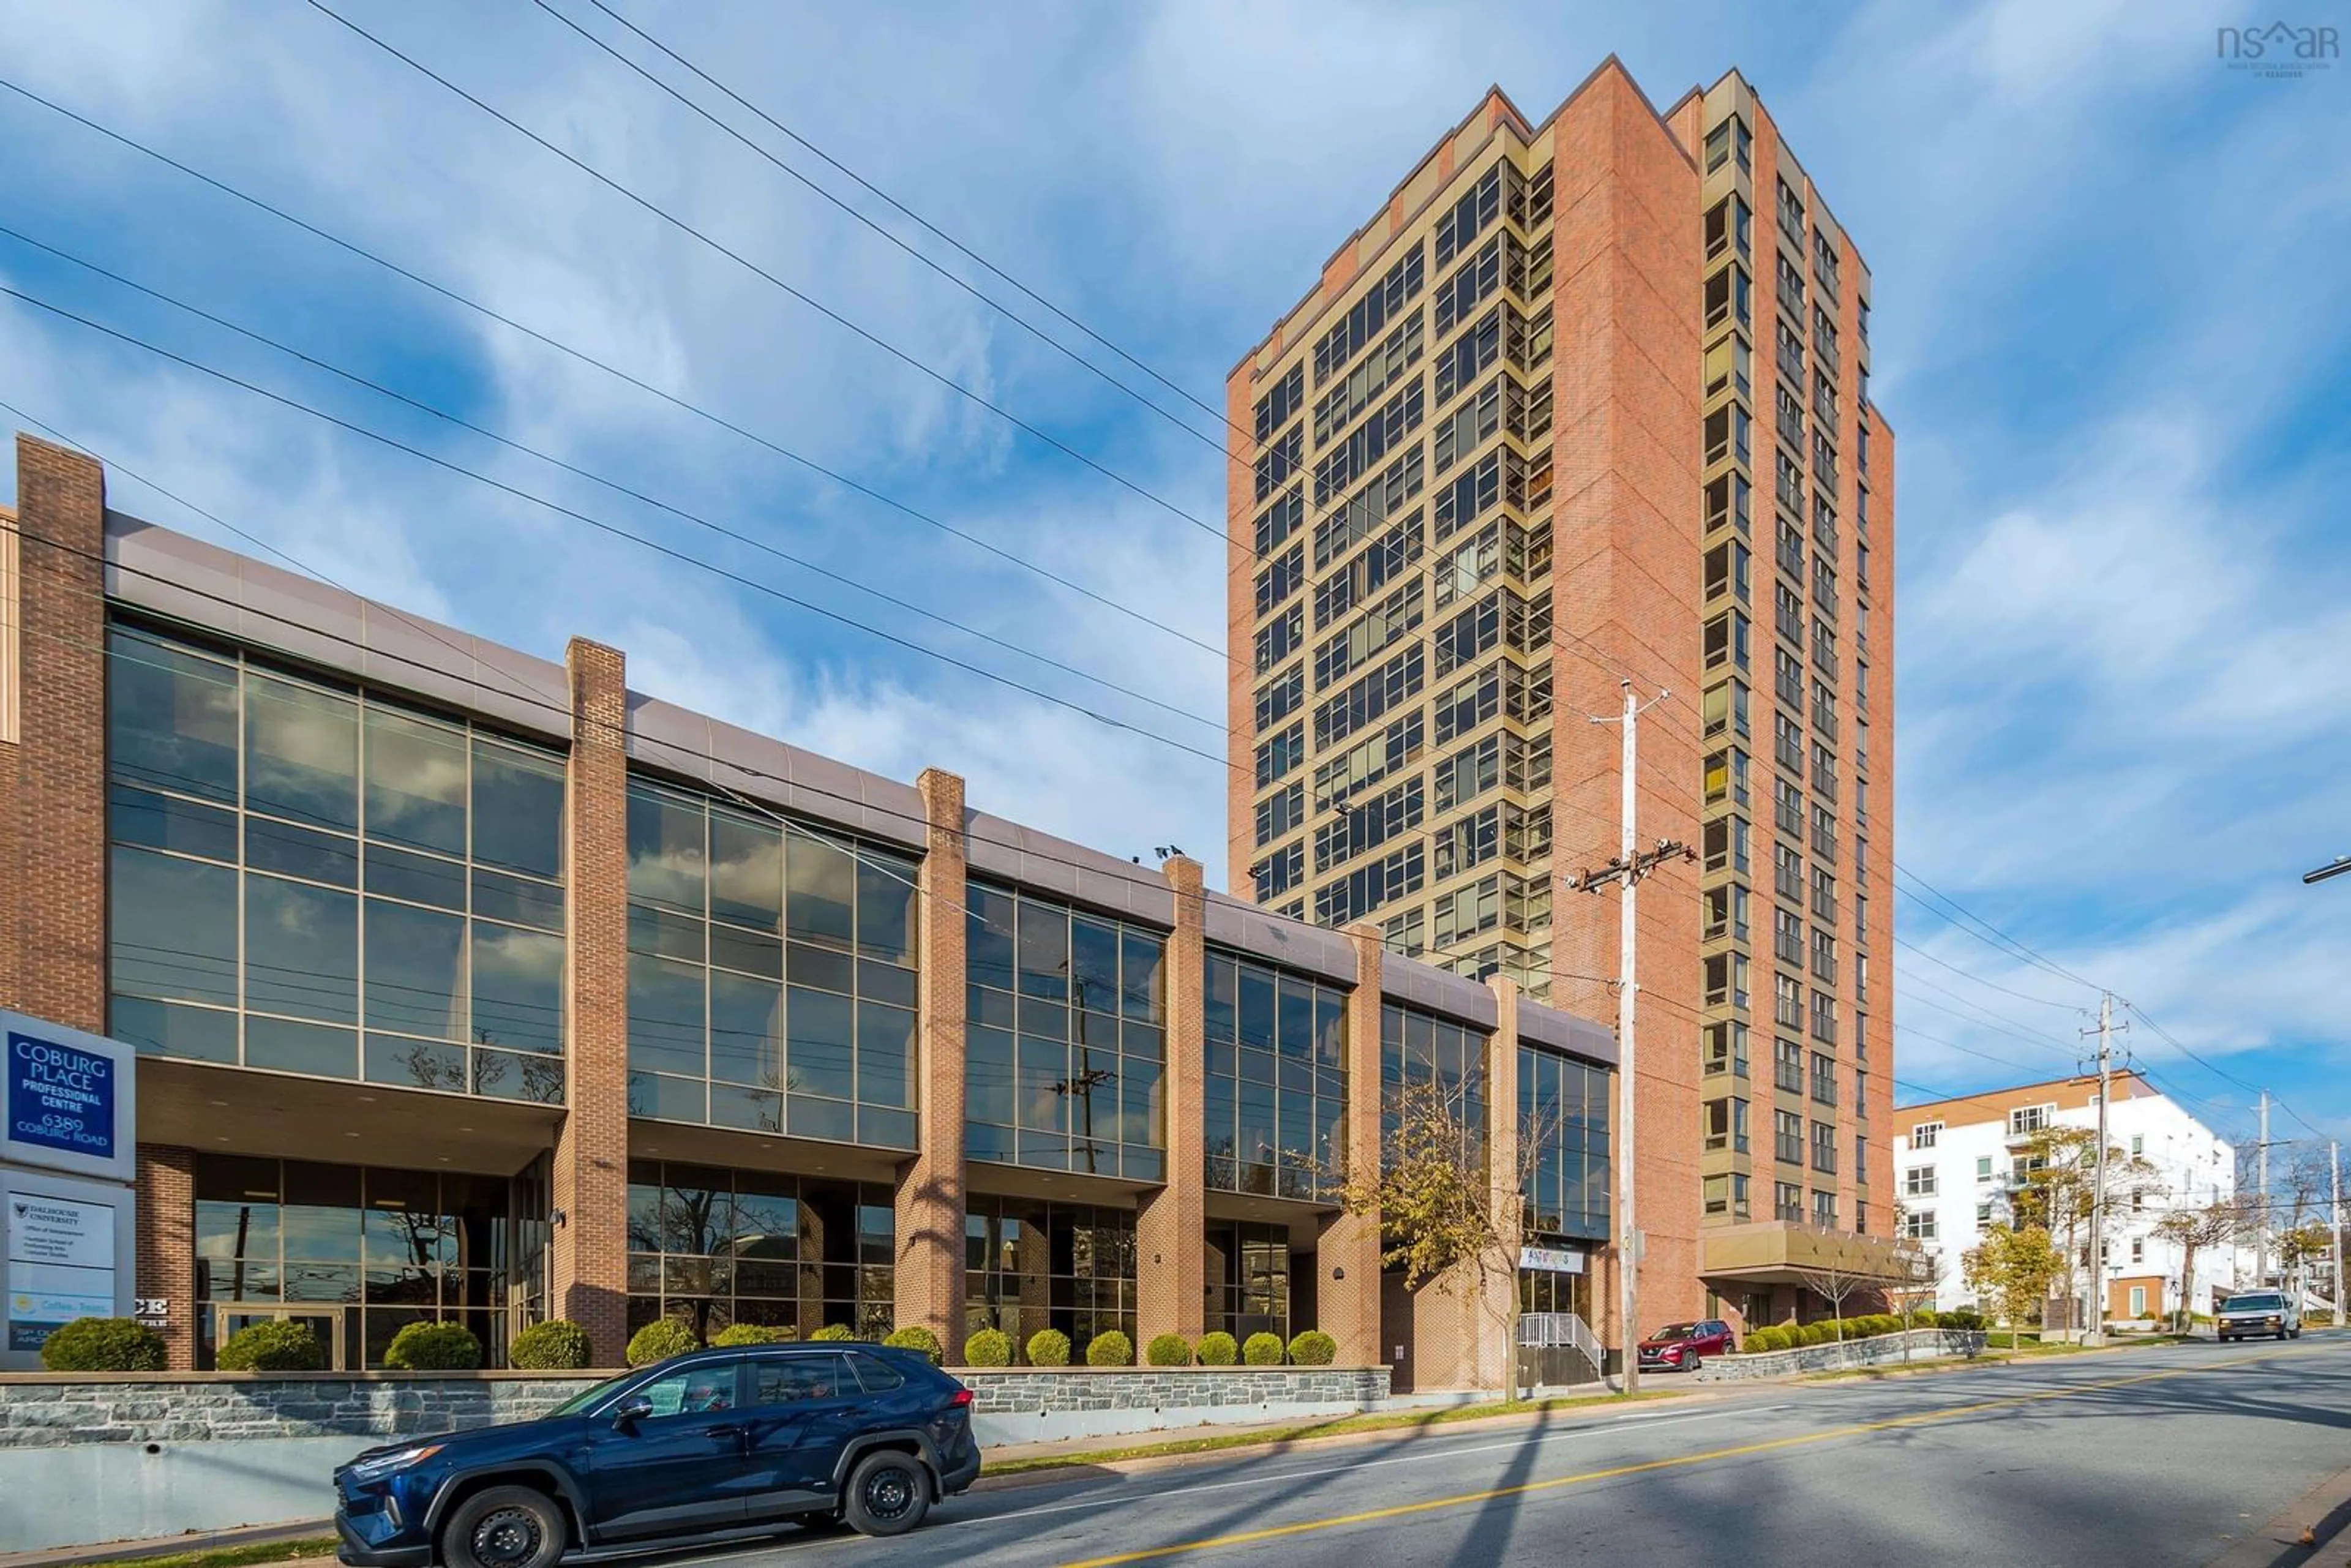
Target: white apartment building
1958, 1162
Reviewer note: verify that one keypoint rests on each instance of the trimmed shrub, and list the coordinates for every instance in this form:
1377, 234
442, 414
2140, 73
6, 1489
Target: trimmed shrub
988, 1347
752, 1333
433, 1347
1963, 1318
916, 1337
277, 1344
557, 1345
1111, 1348
834, 1334
103, 1345
1262, 1350
1049, 1347
659, 1340
1769, 1337
1313, 1348
1220, 1349
1168, 1350
1925, 1317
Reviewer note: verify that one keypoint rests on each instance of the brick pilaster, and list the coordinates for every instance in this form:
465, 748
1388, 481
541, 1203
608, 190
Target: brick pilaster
166, 1199
1169, 1222
59, 816
588, 1279
1498, 1282
928, 1284
1347, 1253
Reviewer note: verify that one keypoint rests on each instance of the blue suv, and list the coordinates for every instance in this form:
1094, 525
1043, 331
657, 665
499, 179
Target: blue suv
715, 1443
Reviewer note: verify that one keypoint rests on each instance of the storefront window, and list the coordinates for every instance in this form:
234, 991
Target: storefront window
771, 985
713, 1247
1066, 1046
1276, 1090
1031, 1266
1249, 1279
360, 1253
312, 878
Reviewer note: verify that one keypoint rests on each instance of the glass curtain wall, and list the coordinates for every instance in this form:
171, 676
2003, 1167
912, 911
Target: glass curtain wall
1418, 1047
712, 1247
1065, 1048
771, 974
1276, 1092
379, 1248
1249, 1279
310, 877
1033, 1265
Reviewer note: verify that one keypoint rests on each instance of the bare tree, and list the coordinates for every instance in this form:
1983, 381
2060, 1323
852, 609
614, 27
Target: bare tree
1842, 1268
1446, 1216
2193, 1230
1913, 1273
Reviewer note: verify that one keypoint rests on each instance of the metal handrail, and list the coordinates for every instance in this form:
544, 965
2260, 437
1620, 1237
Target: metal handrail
1550, 1331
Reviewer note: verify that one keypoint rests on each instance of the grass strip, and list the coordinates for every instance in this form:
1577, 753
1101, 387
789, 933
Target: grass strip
231, 1556
1307, 1431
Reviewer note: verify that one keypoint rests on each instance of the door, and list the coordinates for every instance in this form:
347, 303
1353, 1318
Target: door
680, 1466
802, 1412
325, 1323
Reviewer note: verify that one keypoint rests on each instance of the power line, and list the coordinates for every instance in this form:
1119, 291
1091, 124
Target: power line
1978, 980
737, 256
612, 485
583, 357
601, 525
993, 304
908, 212
2047, 1042
1562, 638
1998, 939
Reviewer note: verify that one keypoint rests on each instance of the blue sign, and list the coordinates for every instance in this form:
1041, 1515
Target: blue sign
60, 1097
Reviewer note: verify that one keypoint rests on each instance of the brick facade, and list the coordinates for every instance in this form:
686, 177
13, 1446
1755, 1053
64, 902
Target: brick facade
929, 1282
1347, 1253
166, 1200
1171, 1284
589, 1266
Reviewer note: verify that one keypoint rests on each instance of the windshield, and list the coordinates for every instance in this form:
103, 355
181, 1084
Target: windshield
590, 1395
1676, 1331
2265, 1302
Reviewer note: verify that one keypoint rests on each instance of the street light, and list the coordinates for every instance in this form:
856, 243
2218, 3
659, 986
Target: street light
2333, 868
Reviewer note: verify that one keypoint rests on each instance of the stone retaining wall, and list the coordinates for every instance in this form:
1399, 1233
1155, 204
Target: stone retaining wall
38, 1410
1880, 1351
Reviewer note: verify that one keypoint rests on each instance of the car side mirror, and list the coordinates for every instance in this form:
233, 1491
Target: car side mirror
630, 1411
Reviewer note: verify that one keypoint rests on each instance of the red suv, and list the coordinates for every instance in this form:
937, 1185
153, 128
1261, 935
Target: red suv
1684, 1347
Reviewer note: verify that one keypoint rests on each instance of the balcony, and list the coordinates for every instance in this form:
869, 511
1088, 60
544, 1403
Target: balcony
1782, 1251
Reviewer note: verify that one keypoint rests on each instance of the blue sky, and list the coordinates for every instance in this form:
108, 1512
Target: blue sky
2110, 281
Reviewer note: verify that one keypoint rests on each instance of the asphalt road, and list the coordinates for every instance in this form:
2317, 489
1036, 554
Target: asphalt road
2164, 1456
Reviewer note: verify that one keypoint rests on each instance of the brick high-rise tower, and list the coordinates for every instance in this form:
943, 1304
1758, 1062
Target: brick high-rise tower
1587, 403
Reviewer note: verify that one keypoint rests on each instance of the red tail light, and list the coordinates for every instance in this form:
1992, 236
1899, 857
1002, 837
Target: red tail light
962, 1397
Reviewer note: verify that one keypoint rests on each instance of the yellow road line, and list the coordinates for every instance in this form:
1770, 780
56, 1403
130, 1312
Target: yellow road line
1802, 1439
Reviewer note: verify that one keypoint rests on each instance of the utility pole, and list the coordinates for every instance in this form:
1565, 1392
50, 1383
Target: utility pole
1627, 869
2261, 1215
2334, 1222
2095, 1329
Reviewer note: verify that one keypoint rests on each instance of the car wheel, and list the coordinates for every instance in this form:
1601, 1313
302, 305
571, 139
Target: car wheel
505, 1527
888, 1494
1692, 1362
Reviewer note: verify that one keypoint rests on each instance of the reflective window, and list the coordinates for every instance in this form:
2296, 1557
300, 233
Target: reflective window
712, 1247
1563, 1116
1276, 1090
380, 1248
1418, 1047
1249, 1279
771, 985
1031, 1266
311, 878
1065, 1050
